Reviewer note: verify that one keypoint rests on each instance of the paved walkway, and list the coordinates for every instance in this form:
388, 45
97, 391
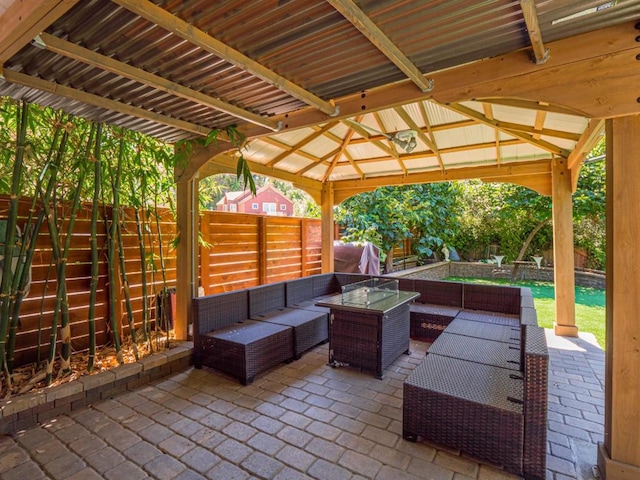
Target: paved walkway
301, 420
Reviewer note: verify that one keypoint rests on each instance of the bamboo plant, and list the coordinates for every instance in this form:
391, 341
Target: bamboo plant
95, 254
9, 240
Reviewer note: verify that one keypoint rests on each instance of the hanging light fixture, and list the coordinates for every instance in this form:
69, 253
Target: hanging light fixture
405, 139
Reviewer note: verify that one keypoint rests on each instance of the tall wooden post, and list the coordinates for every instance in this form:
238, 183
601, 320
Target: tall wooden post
304, 227
187, 260
327, 227
619, 455
263, 250
563, 266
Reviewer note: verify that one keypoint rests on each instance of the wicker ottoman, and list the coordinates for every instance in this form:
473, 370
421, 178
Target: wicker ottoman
245, 349
490, 317
477, 350
466, 406
488, 331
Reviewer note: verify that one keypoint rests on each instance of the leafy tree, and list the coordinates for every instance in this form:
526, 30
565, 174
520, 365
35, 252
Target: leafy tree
519, 220
389, 215
590, 201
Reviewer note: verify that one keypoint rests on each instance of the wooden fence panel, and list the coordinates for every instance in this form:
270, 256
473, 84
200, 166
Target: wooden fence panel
36, 313
244, 250
247, 250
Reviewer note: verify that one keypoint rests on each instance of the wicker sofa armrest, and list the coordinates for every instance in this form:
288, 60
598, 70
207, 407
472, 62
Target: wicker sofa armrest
536, 378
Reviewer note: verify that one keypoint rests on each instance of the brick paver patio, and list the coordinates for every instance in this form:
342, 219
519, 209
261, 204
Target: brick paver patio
301, 420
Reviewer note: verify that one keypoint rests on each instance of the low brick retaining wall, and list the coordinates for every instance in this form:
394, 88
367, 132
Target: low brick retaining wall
24, 411
438, 271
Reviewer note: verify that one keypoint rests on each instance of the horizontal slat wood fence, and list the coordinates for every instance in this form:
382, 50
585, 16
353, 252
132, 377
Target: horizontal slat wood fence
241, 250
36, 313
246, 250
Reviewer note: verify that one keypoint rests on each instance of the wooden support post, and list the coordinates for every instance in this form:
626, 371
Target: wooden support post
563, 267
619, 455
205, 265
263, 250
304, 228
327, 227
186, 273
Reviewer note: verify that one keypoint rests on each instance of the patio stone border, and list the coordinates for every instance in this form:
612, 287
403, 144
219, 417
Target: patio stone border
23, 411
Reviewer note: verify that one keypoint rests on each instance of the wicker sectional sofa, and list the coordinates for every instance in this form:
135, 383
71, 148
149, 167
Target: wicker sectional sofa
246, 332
482, 387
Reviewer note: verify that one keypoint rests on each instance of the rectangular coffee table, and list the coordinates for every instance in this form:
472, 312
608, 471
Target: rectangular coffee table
369, 324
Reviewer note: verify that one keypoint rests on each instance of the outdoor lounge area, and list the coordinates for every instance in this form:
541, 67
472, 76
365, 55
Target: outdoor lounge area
337, 98
301, 420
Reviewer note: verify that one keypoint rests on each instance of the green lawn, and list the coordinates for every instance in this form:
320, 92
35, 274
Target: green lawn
590, 304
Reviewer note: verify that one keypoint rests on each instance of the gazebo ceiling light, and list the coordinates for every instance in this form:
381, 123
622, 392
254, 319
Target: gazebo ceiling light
405, 139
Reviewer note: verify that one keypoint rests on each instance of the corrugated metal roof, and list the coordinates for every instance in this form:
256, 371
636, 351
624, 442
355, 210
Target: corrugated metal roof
310, 43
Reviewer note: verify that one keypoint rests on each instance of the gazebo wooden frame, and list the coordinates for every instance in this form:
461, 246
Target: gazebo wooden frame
589, 72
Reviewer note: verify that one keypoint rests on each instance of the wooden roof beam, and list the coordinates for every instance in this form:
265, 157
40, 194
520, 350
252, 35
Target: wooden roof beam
336, 157
97, 101
469, 112
597, 94
24, 19
540, 53
589, 139
302, 143
81, 54
376, 116
487, 108
513, 173
369, 29
355, 126
161, 17
431, 130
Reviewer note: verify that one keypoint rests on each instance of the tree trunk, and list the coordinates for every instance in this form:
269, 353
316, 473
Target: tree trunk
529, 238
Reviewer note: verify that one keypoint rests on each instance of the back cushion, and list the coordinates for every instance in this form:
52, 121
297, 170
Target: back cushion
439, 292
299, 290
216, 311
492, 298
266, 298
324, 284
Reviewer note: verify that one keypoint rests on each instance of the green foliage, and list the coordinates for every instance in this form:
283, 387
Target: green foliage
505, 214
388, 215
502, 215
590, 201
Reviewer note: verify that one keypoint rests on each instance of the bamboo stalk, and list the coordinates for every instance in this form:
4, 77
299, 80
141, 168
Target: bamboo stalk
152, 262
162, 269
127, 294
143, 268
28, 248
95, 259
12, 220
55, 247
65, 332
111, 255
